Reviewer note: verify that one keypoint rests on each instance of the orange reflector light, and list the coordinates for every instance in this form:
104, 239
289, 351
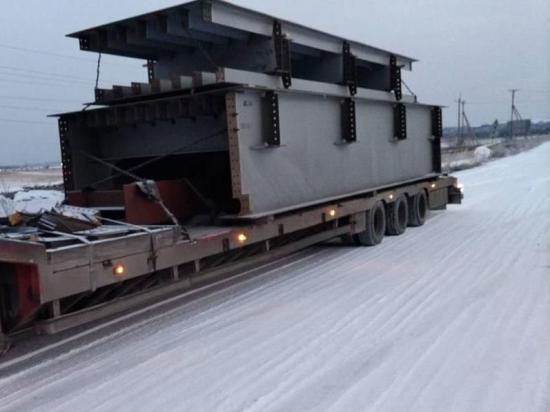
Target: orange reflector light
332, 213
241, 237
119, 270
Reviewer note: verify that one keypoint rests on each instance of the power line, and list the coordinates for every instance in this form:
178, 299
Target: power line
24, 121
53, 54
42, 77
535, 91
38, 99
46, 53
43, 73
43, 83
41, 109
502, 102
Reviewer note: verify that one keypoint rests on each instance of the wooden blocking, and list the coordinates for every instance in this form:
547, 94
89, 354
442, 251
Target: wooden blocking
161, 86
141, 88
120, 92
204, 79
182, 82
103, 95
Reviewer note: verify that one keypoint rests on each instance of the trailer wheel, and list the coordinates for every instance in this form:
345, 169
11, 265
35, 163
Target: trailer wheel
397, 217
376, 227
418, 209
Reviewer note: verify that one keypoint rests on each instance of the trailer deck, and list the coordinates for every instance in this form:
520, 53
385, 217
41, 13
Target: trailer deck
69, 273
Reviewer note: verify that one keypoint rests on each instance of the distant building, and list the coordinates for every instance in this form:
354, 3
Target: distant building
519, 127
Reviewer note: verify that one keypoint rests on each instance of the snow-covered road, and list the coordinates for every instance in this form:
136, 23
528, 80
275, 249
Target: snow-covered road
454, 316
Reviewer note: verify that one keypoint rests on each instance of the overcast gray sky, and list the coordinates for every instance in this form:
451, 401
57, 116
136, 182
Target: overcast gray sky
480, 48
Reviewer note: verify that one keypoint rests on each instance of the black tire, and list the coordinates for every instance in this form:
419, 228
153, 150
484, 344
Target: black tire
418, 209
376, 227
397, 216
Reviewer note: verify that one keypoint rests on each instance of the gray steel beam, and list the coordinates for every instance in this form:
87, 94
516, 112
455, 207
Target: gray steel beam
265, 81
226, 20
311, 162
229, 15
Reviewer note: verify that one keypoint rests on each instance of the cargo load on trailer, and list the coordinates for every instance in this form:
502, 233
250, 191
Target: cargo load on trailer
254, 137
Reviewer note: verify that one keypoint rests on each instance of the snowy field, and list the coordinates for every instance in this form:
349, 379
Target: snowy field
454, 316
15, 180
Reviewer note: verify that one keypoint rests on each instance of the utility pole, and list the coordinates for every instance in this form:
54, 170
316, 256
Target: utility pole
467, 123
513, 111
463, 122
458, 123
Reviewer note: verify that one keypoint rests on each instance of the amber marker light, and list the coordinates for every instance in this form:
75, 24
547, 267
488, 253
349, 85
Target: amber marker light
242, 238
119, 270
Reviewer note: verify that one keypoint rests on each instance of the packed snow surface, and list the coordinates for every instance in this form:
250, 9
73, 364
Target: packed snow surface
15, 180
454, 316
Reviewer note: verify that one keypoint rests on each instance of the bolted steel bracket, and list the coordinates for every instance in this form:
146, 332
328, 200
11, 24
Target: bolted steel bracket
282, 54
400, 121
437, 134
349, 121
349, 69
151, 70
395, 78
271, 120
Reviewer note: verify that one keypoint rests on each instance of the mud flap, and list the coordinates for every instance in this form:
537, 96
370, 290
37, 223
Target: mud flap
438, 199
455, 196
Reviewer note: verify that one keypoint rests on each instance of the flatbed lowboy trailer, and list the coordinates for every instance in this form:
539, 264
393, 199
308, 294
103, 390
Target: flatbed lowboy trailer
58, 282
295, 137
